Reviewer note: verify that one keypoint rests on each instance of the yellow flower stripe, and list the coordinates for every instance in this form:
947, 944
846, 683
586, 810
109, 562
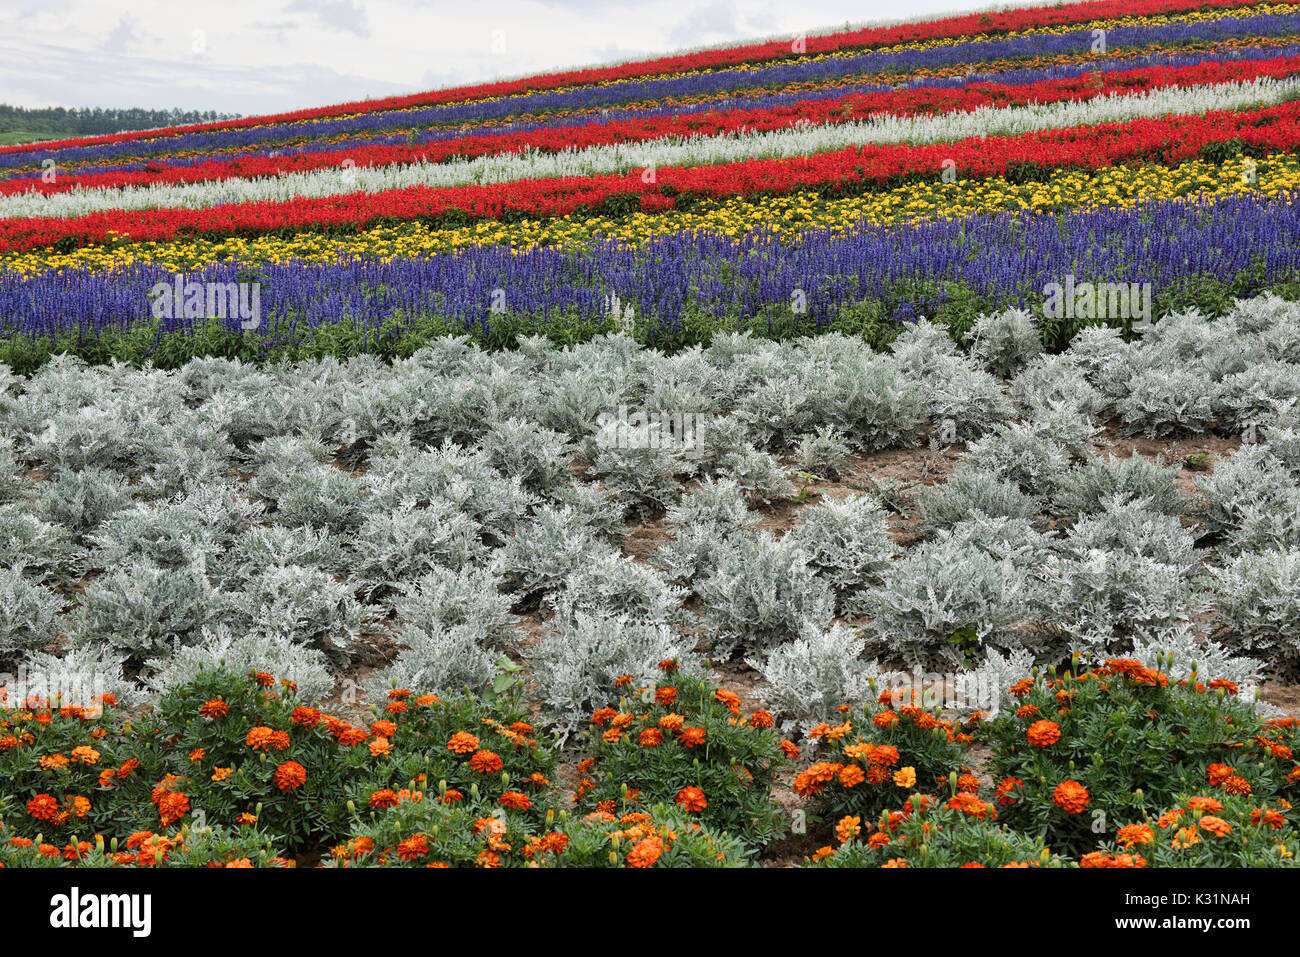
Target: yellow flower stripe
785, 215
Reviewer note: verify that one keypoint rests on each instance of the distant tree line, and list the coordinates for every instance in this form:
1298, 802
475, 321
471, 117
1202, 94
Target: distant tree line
88, 121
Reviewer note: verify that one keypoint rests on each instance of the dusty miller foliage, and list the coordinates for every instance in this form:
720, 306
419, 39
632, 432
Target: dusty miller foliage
848, 546
761, 593
577, 663
807, 678
153, 521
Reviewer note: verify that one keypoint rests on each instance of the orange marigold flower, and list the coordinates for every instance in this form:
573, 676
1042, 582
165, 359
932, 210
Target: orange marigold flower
645, 852
451, 796
650, 738
1215, 825
822, 853
969, 804
172, 807
1027, 711
672, 723
1206, 805
848, 828
515, 800
665, 696
258, 737
1022, 687
417, 845
1005, 788
85, 755
43, 807
884, 755
790, 749
197, 754
462, 742
1167, 819
1071, 797
1132, 834
263, 679
761, 719
969, 783
691, 798
851, 776
884, 719
380, 746
485, 762
351, 737
289, 776
1043, 733
308, 717
214, 708
1269, 817
602, 715
905, 777
728, 698
668, 665
1218, 773
622, 681
1237, 785
383, 729
691, 737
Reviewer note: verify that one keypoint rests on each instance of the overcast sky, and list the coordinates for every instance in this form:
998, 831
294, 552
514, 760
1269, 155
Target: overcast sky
267, 56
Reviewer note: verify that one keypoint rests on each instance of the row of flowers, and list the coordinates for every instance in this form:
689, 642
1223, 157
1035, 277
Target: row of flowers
964, 27
786, 216
925, 101
553, 171
232, 771
1167, 139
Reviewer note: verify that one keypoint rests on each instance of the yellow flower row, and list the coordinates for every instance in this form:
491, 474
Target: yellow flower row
737, 217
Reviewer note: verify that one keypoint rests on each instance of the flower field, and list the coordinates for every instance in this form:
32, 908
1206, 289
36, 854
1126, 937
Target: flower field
872, 449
